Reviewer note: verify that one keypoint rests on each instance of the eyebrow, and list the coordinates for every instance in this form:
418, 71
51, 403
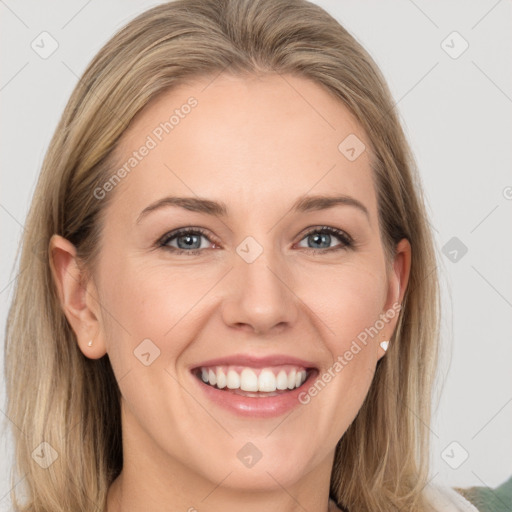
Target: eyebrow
219, 209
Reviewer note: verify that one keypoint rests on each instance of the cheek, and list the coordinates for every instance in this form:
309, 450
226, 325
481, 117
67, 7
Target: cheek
150, 302
347, 302
346, 299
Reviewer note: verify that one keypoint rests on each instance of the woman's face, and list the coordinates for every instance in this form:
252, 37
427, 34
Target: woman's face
261, 297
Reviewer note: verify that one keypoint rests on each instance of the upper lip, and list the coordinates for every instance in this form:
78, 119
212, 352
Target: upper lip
252, 361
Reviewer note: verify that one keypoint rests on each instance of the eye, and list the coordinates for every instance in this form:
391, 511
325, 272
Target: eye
184, 241
320, 239
190, 240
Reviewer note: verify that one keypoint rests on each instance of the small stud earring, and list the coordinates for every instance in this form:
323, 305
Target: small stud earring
384, 345
89, 344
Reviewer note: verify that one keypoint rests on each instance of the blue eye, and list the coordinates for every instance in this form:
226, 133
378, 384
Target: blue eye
323, 237
189, 241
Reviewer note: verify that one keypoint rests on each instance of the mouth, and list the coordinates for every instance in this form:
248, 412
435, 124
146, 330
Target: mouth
254, 382
254, 386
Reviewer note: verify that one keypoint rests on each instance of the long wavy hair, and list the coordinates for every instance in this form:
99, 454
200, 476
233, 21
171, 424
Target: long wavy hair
58, 396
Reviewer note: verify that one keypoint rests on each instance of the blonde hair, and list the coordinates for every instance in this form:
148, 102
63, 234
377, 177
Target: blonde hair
57, 395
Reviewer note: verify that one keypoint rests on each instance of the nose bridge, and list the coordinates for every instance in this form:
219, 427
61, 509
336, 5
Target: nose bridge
259, 293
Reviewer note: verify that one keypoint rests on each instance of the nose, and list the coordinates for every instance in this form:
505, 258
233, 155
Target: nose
260, 298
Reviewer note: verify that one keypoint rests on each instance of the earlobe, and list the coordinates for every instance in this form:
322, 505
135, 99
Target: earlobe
383, 347
75, 297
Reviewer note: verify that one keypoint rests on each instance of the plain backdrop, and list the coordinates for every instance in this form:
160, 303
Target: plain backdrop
448, 67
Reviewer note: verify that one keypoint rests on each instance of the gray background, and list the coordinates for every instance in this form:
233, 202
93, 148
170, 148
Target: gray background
456, 110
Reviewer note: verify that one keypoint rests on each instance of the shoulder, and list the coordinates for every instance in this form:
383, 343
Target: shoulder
445, 499
488, 499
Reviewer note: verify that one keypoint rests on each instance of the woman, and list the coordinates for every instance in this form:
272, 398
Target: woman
236, 300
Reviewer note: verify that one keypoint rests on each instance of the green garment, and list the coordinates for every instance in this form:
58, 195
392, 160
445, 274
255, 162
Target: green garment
486, 499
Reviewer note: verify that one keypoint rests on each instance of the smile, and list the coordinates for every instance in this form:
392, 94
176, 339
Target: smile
256, 381
254, 387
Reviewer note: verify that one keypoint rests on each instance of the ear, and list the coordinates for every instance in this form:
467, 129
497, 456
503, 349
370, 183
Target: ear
398, 277
77, 297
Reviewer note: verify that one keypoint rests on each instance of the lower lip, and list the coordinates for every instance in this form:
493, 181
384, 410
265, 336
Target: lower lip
255, 407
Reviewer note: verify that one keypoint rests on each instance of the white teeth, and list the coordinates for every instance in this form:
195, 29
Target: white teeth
291, 379
267, 381
282, 380
221, 379
233, 380
248, 380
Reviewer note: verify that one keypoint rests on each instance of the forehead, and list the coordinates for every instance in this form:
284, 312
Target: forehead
245, 141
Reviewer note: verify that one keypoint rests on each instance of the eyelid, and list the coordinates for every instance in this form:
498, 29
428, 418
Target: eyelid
171, 235
331, 229
346, 240
176, 232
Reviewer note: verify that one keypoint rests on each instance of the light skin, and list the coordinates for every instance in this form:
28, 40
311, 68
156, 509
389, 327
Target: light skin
257, 144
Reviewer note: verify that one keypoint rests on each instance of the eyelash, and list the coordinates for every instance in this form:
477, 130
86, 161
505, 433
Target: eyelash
347, 242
